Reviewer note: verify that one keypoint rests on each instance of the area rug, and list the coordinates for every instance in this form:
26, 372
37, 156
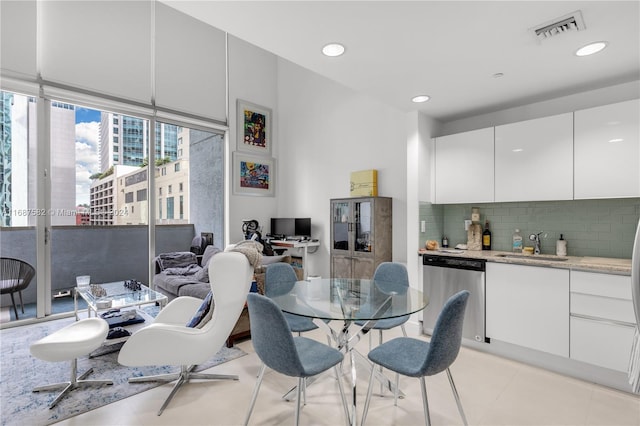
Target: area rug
20, 373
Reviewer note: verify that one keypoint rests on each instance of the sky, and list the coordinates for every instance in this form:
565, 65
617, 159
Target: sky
87, 158
85, 115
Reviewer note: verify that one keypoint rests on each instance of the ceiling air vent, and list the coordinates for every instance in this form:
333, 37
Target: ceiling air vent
571, 22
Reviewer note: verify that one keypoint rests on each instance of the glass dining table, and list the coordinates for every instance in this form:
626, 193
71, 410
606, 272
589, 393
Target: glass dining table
347, 301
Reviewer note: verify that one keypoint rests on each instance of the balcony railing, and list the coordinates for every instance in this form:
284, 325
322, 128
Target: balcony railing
107, 253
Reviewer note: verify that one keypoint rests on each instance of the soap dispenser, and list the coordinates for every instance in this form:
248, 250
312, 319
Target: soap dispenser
561, 246
517, 241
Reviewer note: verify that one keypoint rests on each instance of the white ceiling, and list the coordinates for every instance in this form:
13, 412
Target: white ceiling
447, 49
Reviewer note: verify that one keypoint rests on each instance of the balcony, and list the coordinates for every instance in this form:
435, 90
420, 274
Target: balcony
107, 253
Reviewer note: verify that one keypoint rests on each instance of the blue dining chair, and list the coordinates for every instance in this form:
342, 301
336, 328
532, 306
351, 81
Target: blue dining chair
392, 276
417, 358
293, 356
278, 280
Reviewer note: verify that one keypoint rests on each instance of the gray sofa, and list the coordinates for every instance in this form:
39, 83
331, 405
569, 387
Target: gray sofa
180, 274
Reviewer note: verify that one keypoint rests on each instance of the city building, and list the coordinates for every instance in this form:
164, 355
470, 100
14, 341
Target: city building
83, 215
121, 197
103, 195
14, 113
63, 165
17, 116
123, 140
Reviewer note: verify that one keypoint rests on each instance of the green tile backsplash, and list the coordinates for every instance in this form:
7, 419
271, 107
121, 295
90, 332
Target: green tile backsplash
603, 228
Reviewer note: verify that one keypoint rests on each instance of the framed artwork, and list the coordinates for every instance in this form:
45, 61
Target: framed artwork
253, 175
254, 128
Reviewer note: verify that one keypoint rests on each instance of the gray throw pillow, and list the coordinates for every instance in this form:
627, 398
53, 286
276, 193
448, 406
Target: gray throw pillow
203, 274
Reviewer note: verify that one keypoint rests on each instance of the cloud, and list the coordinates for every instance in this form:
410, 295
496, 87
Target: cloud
87, 158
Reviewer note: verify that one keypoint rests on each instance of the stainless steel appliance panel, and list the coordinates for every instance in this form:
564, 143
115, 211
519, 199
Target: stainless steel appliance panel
445, 276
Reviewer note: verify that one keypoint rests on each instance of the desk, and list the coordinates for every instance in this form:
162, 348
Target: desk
304, 245
349, 300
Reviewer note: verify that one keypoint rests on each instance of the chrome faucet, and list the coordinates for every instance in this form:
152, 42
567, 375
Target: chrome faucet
536, 239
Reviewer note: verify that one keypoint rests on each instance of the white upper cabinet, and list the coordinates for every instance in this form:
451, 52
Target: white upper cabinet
464, 167
607, 151
534, 159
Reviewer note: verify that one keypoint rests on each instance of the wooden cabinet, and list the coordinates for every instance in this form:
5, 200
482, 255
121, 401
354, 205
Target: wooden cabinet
534, 159
361, 235
464, 167
607, 151
528, 306
602, 319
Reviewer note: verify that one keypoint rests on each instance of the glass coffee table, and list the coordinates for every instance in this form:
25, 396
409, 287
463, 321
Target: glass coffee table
114, 295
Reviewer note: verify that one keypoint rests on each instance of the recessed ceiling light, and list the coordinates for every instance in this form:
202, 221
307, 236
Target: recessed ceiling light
333, 49
616, 140
591, 48
420, 98
517, 150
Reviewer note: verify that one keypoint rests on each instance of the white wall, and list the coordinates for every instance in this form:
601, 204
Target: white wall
420, 148
253, 78
325, 132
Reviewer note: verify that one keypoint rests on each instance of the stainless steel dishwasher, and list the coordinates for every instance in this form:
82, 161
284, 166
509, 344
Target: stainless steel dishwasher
444, 276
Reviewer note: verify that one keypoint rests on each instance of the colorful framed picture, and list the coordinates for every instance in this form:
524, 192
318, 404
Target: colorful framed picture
254, 128
253, 175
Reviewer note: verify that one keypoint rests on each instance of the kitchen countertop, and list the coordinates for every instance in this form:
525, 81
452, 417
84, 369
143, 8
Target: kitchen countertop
576, 263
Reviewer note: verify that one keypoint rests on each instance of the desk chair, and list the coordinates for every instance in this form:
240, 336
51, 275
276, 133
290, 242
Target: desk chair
416, 358
293, 356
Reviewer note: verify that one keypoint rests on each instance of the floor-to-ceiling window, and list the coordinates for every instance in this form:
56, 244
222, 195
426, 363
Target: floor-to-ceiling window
189, 188
99, 200
18, 159
84, 200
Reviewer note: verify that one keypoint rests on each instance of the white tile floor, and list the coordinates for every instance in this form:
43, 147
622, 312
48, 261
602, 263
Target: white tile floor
493, 390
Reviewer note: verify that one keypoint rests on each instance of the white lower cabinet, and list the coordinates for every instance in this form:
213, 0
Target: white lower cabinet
601, 343
528, 306
602, 319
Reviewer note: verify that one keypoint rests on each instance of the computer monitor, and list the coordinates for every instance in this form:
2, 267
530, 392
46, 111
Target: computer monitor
282, 227
291, 227
303, 227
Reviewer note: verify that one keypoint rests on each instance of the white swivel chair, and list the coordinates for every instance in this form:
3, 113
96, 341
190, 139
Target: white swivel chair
75, 340
168, 341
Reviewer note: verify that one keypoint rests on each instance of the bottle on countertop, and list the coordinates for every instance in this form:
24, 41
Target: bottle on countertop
517, 241
486, 237
445, 242
561, 246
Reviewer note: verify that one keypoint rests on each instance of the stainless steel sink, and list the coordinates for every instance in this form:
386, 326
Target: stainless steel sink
533, 257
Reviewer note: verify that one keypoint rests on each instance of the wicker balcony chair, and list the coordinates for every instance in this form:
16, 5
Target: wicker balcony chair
15, 276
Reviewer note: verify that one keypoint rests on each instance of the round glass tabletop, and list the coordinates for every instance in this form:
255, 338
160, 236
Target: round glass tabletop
350, 299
